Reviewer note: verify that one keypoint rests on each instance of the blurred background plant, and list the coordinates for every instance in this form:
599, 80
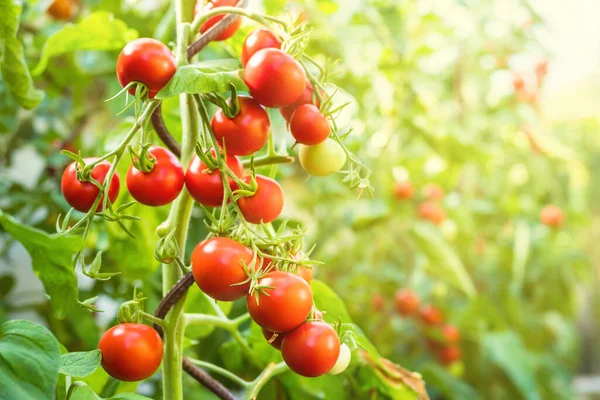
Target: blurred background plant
467, 150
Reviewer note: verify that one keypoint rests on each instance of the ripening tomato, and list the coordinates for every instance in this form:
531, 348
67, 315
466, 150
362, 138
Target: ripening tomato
275, 342
259, 39
404, 190
275, 78
450, 333
432, 211
306, 98
286, 304
322, 159
449, 354
205, 186
218, 268
82, 195
131, 352
62, 9
406, 302
162, 184
431, 316
146, 61
309, 126
266, 204
247, 132
377, 302
312, 349
305, 273
552, 216
343, 360
433, 192
227, 33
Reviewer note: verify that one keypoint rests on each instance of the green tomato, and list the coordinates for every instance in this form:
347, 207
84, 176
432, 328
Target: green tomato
343, 360
322, 159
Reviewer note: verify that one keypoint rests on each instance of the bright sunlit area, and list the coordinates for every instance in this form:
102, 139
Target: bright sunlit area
299, 200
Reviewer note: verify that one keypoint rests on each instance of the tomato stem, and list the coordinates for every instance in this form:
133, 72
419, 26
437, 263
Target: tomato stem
269, 160
263, 19
221, 371
269, 372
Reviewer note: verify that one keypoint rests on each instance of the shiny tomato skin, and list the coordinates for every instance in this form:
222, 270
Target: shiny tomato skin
287, 304
259, 39
207, 187
82, 195
449, 354
61, 9
552, 216
266, 204
432, 211
147, 61
275, 79
309, 126
312, 349
322, 159
247, 132
131, 352
404, 190
162, 184
305, 273
275, 342
431, 316
306, 98
218, 268
227, 33
406, 302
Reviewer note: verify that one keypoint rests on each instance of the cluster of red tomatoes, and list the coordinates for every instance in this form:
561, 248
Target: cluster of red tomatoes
442, 338
280, 302
430, 209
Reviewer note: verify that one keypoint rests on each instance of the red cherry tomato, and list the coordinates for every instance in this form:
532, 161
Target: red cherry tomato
406, 302
259, 39
275, 79
205, 186
285, 306
450, 333
311, 349
433, 212
431, 316
404, 190
266, 204
433, 192
162, 184
247, 132
306, 98
448, 355
276, 342
218, 268
62, 9
227, 33
377, 302
131, 352
552, 216
82, 195
146, 61
309, 126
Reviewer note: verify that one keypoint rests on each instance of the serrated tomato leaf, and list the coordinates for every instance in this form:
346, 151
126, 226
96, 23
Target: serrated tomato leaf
51, 257
80, 364
99, 31
204, 77
29, 361
13, 67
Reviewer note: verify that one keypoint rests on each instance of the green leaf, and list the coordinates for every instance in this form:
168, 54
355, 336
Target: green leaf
506, 350
99, 31
204, 77
7, 282
15, 72
80, 364
448, 385
51, 257
198, 302
446, 263
9, 110
29, 361
84, 392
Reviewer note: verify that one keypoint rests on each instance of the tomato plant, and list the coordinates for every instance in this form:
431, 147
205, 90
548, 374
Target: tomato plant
308, 125
258, 39
212, 4
322, 159
82, 194
265, 204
